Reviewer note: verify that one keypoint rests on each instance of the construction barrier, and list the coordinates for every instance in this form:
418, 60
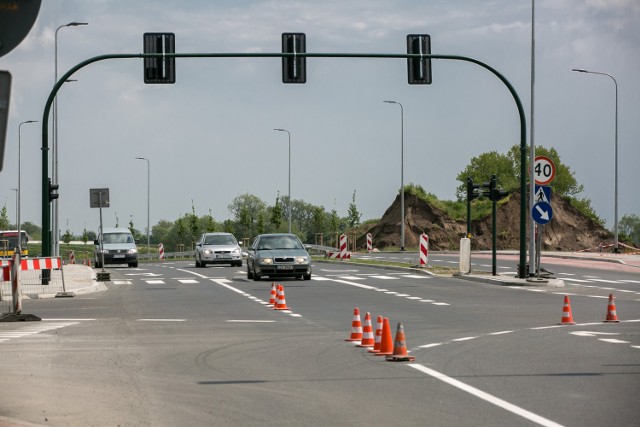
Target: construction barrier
369, 242
160, 251
424, 250
72, 257
343, 246
36, 276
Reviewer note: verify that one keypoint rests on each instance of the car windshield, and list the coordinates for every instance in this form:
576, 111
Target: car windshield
279, 242
118, 238
221, 239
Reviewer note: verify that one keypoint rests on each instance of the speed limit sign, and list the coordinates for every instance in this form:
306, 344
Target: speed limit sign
544, 170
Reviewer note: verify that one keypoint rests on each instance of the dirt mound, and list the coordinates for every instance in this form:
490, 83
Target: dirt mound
568, 230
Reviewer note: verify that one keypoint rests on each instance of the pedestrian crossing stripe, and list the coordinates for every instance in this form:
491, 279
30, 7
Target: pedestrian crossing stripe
188, 281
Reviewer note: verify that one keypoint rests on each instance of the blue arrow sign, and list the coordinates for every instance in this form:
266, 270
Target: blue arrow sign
542, 213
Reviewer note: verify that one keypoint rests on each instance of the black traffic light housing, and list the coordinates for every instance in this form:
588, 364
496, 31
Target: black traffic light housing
160, 70
52, 191
494, 193
294, 68
419, 69
472, 188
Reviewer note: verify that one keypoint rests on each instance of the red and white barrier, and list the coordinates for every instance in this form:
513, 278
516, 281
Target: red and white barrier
343, 246
40, 264
424, 250
72, 257
160, 251
369, 242
337, 255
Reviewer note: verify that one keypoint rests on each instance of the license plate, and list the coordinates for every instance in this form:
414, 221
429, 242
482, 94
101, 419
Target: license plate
223, 256
119, 256
285, 267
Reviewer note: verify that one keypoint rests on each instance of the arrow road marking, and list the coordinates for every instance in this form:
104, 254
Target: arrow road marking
543, 214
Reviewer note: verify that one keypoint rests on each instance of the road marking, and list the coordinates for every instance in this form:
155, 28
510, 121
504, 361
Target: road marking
486, 396
155, 282
591, 334
161, 320
435, 344
464, 339
613, 341
251, 321
384, 277
501, 333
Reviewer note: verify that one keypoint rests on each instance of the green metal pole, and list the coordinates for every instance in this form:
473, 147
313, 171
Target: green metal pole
46, 226
494, 245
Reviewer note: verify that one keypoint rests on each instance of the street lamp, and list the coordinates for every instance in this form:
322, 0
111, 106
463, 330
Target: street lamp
19, 192
615, 191
56, 232
401, 173
148, 202
289, 195
16, 190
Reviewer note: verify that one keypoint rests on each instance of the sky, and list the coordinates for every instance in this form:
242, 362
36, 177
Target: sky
209, 138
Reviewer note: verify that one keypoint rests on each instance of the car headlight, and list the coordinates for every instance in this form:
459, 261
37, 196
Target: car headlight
302, 260
236, 251
266, 261
132, 251
207, 251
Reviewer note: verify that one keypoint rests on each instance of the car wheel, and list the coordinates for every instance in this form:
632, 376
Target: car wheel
256, 276
307, 276
249, 273
239, 264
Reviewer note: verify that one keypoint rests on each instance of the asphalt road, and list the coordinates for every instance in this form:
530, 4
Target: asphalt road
169, 344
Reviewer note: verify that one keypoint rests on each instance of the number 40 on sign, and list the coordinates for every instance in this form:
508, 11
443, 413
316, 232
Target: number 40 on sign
544, 170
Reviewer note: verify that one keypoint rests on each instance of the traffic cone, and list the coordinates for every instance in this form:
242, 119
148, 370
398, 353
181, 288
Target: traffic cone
567, 317
367, 332
356, 326
378, 337
272, 295
612, 315
386, 343
281, 303
400, 348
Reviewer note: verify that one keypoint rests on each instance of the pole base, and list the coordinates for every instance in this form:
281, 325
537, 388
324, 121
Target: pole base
65, 295
103, 276
12, 317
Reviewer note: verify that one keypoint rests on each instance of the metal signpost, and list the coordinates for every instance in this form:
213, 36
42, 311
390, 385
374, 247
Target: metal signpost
544, 171
99, 198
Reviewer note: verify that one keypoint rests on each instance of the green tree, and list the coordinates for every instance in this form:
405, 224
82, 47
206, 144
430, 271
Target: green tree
32, 230
67, 236
353, 216
4, 218
246, 210
629, 225
276, 214
85, 236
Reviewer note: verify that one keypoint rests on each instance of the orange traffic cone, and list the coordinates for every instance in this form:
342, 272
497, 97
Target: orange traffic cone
400, 348
612, 315
367, 332
378, 337
356, 326
281, 303
386, 343
272, 295
567, 317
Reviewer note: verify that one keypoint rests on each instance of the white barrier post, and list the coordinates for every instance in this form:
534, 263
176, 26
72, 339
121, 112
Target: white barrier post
15, 287
160, 251
424, 250
72, 257
369, 242
465, 255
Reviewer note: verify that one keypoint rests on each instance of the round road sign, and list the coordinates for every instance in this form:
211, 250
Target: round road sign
544, 170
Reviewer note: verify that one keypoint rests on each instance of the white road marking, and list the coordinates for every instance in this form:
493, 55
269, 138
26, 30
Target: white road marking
155, 282
464, 339
161, 320
613, 341
501, 333
188, 281
435, 344
486, 396
251, 321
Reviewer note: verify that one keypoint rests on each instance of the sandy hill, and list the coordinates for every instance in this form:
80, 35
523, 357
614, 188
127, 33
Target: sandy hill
568, 230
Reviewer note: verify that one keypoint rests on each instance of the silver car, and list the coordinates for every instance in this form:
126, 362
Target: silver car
278, 255
218, 248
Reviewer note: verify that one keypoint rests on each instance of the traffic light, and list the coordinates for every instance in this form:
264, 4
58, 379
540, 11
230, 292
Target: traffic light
159, 69
294, 68
472, 188
419, 69
494, 193
52, 191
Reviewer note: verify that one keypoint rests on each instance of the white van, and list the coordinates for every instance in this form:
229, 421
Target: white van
118, 247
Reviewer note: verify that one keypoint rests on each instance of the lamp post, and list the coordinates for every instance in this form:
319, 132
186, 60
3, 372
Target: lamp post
54, 167
615, 191
18, 189
148, 202
289, 195
401, 172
